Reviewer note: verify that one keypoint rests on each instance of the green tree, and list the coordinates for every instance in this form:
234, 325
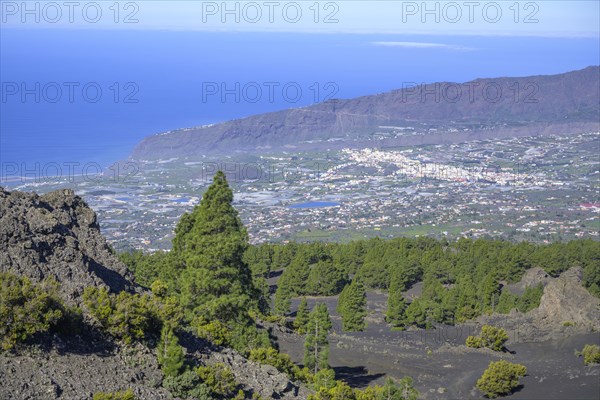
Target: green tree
324, 379
353, 307
506, 302
500, 378
282, 300
316, 345
396, 305
325, 279
489, 292
211, 241
169, 353
402, 391
302, 316
530, 299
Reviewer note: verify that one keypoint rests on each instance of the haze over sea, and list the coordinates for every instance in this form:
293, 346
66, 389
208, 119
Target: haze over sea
165, 71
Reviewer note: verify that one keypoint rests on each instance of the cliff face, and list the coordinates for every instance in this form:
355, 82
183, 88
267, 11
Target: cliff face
57, 235
489, 108
566, 300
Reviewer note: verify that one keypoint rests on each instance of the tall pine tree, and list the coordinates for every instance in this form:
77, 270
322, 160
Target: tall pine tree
325, 279
216, 282
316, 345
396, 305
302, 316
353, 307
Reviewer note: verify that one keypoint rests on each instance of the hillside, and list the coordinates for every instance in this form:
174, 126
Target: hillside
434, 114
57, 236
116, 345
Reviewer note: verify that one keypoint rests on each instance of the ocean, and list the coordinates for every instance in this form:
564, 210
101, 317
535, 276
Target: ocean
81, 96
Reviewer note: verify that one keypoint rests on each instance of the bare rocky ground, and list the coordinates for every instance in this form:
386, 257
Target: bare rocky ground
77, 367
443, 368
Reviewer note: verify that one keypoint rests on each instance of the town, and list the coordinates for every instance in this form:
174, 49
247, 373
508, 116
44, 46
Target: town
531, 188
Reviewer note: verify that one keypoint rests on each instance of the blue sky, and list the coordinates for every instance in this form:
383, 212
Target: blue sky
167, 53
547, 18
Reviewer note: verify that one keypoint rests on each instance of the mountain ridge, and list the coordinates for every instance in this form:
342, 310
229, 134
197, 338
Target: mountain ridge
499, 107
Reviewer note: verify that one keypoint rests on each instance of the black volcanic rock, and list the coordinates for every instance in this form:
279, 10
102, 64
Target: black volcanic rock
500, 107
57, 235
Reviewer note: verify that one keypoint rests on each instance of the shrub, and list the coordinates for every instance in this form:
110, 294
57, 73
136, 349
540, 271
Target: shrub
126, 395
591, 354
402, 390
490, 337
281, 361
500, 378
187, 385
474, 341
219, 379
170, 354
26, 309
125, 316
215, 331
340, 391
324, 379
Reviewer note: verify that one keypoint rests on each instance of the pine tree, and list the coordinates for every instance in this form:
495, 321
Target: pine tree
302, 316
342, 299
170, 353
211, 241
325, 279
396, 305
296, 275
282, 300
353, 308
316, 346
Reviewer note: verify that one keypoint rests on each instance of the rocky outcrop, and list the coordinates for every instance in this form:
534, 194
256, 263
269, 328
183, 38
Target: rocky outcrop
532, 277
57, 235
264, 380
566, 307
565, 300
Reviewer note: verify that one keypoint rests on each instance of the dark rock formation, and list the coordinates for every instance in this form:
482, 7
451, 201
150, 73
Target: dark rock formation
57, 235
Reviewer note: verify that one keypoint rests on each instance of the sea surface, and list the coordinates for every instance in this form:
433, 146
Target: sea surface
88, 96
